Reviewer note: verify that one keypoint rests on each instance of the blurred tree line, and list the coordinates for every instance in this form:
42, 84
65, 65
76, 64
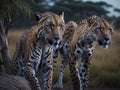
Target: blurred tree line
74, 10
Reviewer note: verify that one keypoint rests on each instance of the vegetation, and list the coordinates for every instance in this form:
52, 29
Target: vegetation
75, 10
8, 11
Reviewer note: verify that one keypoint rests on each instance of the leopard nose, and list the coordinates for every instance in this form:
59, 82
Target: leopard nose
56, 38
107, 39
89, 54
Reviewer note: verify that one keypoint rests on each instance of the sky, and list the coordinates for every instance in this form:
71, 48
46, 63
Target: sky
115, 3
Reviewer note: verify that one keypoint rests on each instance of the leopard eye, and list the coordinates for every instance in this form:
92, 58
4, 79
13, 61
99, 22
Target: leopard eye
99, 30
49, 26
52, 26
62, 27
111, 31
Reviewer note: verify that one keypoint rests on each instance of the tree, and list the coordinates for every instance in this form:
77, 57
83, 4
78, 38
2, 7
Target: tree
117, 10
77, 9
8, 10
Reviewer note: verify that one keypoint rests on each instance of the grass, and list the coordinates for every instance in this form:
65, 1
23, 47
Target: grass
66, 77
105, 68
13, 37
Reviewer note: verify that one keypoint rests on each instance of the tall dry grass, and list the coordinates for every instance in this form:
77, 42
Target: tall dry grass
13, 37
105, 67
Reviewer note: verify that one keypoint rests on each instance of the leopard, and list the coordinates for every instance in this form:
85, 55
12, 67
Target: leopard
89, 32
34, 49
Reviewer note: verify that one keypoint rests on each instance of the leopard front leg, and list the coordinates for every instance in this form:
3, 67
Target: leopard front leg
59, 83
29, 74
84, 72
74, 73
47, 69
65, 57
55, 56
84, 67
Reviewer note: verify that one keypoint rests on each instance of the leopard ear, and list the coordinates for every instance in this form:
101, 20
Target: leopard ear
38, 16
112, 23
61, 14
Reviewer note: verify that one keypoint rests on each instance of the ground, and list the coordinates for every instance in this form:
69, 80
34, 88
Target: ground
69, 87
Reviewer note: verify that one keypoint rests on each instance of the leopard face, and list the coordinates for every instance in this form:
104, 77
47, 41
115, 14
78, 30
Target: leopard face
103, 30
53, 26
104, 33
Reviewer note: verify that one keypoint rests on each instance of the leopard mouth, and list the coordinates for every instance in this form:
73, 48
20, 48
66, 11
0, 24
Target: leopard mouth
104, 44
56, 45
53, 43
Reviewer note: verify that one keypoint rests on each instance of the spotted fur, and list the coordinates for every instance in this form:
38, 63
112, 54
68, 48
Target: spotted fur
93, 29
80, 43
35, 49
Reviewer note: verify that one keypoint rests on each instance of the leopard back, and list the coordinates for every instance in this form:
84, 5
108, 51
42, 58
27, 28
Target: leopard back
67, 37
69, 30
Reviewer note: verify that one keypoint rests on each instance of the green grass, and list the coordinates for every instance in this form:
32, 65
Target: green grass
105, 66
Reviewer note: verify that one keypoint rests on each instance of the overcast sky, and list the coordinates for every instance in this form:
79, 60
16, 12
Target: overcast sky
115, 3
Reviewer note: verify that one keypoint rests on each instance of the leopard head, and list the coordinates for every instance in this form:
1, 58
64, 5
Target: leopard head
53, 26
103, 31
